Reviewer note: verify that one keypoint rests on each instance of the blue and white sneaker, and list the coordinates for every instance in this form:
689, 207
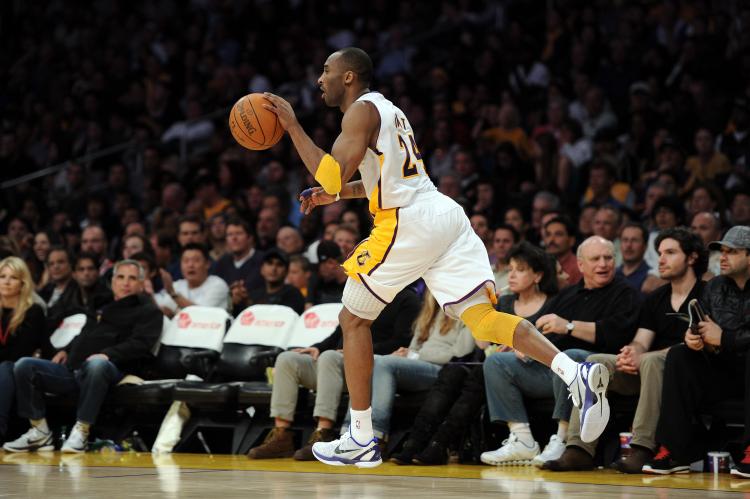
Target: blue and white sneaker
589, 394
347, 451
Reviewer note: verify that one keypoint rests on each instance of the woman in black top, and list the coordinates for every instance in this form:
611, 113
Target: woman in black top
21, 327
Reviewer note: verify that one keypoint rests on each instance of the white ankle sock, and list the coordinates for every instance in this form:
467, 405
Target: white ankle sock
562, 430
361, 426
522, 431
40, 424
565, 367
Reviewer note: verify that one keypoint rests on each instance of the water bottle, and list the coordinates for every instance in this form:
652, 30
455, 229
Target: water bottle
63, 436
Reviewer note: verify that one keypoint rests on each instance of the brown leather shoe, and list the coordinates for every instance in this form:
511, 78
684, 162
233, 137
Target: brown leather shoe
278, 443
633, 464
321, 435
573, 459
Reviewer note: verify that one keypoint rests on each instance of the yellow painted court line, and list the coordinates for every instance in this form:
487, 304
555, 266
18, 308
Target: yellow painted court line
694, 481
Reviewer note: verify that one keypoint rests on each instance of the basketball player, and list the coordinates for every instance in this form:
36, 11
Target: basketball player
418, 232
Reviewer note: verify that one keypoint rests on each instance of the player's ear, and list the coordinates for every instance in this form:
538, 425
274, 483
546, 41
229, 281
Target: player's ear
349, 77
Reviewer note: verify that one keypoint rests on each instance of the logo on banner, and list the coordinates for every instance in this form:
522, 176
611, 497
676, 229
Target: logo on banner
184, 321
247, 318
312, 320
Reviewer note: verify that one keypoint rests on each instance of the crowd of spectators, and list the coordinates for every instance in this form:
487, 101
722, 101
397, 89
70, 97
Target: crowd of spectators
550, 122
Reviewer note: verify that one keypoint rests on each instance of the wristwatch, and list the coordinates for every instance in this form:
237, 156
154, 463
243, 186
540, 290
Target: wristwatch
570, 326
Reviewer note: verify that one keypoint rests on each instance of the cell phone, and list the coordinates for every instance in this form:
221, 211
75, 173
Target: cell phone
697, 314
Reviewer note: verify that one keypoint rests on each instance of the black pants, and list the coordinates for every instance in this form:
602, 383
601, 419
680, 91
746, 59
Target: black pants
693, 381
452, 405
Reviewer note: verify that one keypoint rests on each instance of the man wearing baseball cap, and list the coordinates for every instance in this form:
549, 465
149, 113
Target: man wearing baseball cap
712, 363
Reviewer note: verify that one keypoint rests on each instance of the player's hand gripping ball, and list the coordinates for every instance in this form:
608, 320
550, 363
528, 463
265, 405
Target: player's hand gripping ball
253, 126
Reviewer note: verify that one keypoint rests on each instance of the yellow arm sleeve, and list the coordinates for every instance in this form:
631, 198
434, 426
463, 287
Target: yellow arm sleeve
328, 175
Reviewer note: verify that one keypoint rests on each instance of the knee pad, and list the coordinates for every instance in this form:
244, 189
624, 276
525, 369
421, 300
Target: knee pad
360, 301
487, 324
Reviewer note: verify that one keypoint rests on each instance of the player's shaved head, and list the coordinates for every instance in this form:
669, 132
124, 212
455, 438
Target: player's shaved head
357, 61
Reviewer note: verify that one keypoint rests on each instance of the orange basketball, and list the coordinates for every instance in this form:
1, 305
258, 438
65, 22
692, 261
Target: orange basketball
252, 125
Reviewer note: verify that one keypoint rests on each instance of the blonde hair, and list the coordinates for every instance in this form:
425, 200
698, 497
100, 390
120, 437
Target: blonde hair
26, 297
428, 315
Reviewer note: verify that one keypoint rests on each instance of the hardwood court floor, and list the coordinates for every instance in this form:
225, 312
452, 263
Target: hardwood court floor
135, 475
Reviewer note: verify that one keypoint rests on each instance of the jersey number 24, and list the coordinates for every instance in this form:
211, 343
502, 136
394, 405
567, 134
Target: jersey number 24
410, 168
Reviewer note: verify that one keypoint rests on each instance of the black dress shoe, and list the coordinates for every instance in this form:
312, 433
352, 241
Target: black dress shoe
573, 459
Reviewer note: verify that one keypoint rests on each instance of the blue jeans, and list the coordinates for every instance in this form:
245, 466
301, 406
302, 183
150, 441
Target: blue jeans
507, 380
35, 377
392, 373
7, 394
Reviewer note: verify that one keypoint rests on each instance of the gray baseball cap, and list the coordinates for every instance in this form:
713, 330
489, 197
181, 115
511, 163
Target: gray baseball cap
736, 237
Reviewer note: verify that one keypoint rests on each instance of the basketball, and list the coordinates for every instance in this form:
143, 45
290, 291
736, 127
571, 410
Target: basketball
253, 126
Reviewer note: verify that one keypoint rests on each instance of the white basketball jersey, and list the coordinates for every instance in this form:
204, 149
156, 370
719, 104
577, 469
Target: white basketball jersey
395, 173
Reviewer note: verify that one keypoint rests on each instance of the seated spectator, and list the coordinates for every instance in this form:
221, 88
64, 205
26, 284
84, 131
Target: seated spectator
596, 315
346, 237
93, 294
94, 241
327, 286
217, 236
607, 221
240, 265
638, 369
456, 397
206, 188
504, 239
321, 368
708, 227
22, 330
329, 229
61, 294
275, 291
135, 243
43, 242
514, 217
603, 188
437, 339
708, 164
667, 213
634, 268
196, 288
266, 228
299, 273
739, 211
289, 240
190, 229
711, 366
559, 240
118, 342
481, 227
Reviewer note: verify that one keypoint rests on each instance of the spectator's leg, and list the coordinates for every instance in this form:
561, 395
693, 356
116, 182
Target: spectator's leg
507, 380
7, 393
649, 402
447, 390
95, 378
465, 409
291, 370
687, 377
746, 437
330, 385
34, 378
390, 373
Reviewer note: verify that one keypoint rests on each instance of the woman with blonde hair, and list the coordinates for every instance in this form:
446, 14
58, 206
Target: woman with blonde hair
21, 327
437, 339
